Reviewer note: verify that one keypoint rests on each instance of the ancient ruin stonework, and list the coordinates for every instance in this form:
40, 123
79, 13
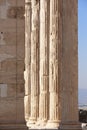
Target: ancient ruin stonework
39, 64
56, 23
12, 53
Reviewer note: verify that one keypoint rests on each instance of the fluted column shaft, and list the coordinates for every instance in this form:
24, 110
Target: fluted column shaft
58, 69
27, 58
53, 64
44, 60
35, 61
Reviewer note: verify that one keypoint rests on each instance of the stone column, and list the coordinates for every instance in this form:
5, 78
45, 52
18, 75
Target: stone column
44, 61
34, 63
53, 66
69, 86
27, 58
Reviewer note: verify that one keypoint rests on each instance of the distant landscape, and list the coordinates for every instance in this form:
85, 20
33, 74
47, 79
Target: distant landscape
82, 93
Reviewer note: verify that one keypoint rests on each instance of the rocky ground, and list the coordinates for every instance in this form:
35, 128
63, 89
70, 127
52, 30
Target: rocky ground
84, 126
83, 116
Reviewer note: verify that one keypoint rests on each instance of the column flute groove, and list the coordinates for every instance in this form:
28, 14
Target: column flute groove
53, 66
44, 63
27, 71
34, 63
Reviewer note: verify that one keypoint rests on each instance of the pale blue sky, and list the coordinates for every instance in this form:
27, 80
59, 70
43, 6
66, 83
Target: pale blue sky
82, 41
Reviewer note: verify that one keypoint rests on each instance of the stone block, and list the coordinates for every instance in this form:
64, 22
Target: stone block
20, 111
20, 66
20, 52
3, 90
8, 66
20, 90
7, 110
10, 37
13, 126
20, 36
2, 2
15, 12
12, 90
20, 2
12, 2
8, 52
8, 23
21, 23
20, 78
12, 48
15, 90
5, 78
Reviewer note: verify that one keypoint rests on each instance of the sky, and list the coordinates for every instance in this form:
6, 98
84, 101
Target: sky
82, 43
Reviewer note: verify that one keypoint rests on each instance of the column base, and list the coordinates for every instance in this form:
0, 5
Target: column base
13, 127
31, 123
42, 129
52, 124
44, 125
70, 126
40, 124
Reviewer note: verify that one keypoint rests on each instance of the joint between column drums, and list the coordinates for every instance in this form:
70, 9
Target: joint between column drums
27, 2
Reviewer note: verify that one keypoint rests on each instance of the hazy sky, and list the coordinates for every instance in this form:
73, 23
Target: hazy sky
82, 38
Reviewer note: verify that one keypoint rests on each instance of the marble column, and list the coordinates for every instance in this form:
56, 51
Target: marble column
53, 66
44, 62
27, 58
69, 76
34, 63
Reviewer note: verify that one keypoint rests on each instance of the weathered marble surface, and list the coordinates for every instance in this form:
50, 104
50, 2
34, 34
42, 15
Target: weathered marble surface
54, 83
51, 64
